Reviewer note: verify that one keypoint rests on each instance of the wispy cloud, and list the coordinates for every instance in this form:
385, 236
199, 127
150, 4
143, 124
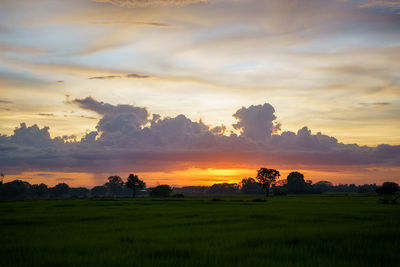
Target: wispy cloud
380, 3
155, 24
142, 23
138, 76
110, 77
88, 117
143, 3
379, 104
65, 179
20, 49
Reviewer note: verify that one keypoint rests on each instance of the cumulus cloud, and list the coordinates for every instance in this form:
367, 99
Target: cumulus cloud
120, 118
256, 122
32, 136
143, 3
129, 137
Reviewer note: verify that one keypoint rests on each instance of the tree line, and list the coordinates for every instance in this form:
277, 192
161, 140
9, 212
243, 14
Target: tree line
114, 187
265, 183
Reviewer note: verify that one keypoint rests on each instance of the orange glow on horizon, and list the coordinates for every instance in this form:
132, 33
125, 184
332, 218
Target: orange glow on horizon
207, 177
197, 176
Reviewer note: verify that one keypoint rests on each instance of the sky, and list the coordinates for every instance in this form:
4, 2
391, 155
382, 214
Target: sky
195, 92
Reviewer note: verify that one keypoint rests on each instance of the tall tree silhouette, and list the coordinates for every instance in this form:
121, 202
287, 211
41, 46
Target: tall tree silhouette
133, 182
266, 177
114, 185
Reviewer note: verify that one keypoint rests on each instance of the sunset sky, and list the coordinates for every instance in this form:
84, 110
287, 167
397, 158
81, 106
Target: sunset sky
194, 92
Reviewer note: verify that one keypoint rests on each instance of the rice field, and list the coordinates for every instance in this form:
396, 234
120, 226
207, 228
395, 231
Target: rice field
324, 230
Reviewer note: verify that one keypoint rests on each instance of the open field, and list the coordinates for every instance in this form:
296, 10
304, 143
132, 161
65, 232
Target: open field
287, 231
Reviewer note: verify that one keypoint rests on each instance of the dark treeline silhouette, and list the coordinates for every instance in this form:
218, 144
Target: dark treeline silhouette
266, 183
114, 187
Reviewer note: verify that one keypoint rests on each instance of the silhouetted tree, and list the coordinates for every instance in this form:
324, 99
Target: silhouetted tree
39, 191
323, 186
250, 186
223, 189
366, 188
61, 190
387, 192
114, 185
98, 191
295, 183
16, 189
192, 190
160, 191
266, 177
79, 192
133, 182
388, 188
352, 188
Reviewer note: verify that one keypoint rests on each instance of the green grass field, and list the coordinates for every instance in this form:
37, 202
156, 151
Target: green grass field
285, 231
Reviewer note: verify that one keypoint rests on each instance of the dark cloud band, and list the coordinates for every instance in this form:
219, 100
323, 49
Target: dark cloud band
129, 137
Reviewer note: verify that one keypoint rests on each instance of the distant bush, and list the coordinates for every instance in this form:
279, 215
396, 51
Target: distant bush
250, 186
79, 192
323, 186
223, 189
161, 191
279, 191
98, 191
388, 192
